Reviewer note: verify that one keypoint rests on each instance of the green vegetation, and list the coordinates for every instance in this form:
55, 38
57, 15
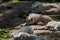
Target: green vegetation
4, 34
36, 0
55, 17
14, 0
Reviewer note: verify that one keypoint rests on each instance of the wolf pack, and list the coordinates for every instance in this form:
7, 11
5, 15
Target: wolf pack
27, 33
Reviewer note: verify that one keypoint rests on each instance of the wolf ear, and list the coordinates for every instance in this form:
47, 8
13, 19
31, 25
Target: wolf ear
23, 37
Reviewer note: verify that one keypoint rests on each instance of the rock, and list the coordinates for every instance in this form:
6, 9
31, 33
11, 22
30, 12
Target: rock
52, 11
24, 24
1, 16
10, 12
2, 8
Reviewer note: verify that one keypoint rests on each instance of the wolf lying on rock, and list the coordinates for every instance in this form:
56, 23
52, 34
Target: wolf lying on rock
25, 33
23, 36
47, 8
26, 36
52, 24
36, 18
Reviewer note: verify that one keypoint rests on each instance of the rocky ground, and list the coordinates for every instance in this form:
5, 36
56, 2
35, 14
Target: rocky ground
8, 17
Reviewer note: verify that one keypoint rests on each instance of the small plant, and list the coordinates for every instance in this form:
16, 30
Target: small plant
55, 17
4, 34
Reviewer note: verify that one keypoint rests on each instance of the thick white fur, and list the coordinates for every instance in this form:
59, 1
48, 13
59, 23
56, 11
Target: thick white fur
35, 18
52, 24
